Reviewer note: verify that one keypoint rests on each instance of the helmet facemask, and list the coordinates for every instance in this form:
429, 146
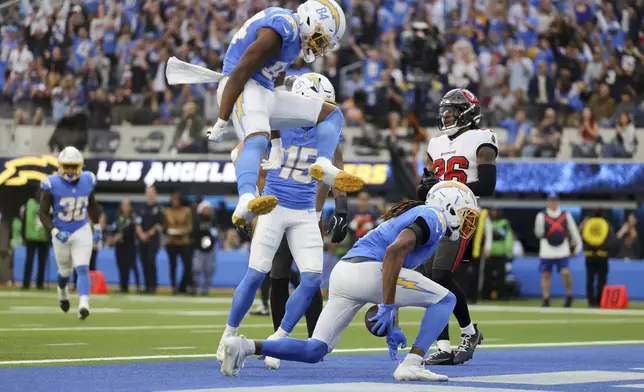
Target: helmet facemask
453, 117
318, 43
70, 171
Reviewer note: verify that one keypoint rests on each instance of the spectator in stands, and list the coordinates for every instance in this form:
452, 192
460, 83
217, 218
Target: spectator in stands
593, 70
353, 84
602, 105
631, 247
17, 89
541, 90
567, 97
203, 261
178, 228
519, 69
624, 143
547, 140
493, 79
20, 59
519, 131
100, 111
124, 241
148, 229
362, 220
559, 239
166, 107
36, 240
464, 72
626, 105
390, 99
232, 241
502, 106
188, 135
589, 134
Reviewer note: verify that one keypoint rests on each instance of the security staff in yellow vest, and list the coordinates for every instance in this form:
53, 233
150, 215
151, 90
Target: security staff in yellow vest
598, 236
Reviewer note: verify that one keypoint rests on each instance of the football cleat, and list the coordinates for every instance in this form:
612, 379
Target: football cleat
249, 205
568, 302
545, 303
416, 372
260, 310
64, 305
342, 181
270, 362
440, 358
83, 313
234, 355
221, 350
465, 350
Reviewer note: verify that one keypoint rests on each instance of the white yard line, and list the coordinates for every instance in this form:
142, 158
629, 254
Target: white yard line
338, 351
204, 328
176, 348
65, 344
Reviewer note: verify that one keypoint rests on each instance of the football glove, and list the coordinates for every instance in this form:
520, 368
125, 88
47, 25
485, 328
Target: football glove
384, 319
395, 338
62, 236
428, 180
338, 222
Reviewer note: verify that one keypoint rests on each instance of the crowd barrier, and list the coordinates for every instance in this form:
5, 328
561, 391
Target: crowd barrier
231, 267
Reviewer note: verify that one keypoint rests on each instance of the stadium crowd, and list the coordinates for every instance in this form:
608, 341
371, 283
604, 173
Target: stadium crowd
537, 65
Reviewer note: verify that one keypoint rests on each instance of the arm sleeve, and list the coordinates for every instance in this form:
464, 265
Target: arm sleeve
284, 25
45, 184
421, 229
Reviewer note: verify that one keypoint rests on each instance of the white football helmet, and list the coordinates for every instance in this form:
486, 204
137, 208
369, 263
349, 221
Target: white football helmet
70, 163
314, 85
322, 24
458, 205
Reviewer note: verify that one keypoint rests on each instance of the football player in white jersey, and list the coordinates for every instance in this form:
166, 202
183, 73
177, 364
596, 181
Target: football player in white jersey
465, 153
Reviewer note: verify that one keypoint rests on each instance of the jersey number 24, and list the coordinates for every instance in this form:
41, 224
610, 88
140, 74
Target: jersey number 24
453, 169
73, 208
296, 162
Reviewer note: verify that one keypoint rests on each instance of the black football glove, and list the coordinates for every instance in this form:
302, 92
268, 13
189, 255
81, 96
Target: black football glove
426, 183
338, 222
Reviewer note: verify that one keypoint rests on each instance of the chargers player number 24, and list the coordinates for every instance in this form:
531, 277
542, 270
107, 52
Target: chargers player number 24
74, 208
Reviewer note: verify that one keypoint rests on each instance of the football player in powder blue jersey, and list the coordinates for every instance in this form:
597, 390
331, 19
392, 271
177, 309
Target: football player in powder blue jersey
70, 195
261, 50
296, 217
380, 269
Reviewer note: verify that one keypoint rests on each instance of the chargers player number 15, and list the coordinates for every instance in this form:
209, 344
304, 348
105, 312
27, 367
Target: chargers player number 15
297, 160
74, 208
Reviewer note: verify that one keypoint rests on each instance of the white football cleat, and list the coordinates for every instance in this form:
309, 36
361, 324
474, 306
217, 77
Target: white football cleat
270, 362
63, 299
323, 170
412, 369
83, 307
236, 349
221, 349
250, 205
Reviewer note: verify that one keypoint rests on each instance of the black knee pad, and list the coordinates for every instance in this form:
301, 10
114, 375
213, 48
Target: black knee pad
442, 277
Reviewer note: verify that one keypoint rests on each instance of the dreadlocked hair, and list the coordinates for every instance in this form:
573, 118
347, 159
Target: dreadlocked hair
400, 208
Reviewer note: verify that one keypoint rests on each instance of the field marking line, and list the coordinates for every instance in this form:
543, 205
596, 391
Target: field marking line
217, 328
176, 348
337, 351
65, 344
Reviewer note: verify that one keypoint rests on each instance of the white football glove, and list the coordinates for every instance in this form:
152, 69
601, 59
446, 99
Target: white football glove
276, 156
217, 131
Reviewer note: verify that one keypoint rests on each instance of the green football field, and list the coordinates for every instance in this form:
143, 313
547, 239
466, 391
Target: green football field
133, 328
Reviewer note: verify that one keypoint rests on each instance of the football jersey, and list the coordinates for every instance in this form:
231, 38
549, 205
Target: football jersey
282, 21
374, 245
292, 183
69, 200
455, 159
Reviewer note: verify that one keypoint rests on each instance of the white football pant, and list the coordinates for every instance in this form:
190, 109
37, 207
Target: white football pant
75, 252
353, 285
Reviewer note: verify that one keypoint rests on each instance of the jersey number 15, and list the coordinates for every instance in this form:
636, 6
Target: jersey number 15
296, 162
73, 208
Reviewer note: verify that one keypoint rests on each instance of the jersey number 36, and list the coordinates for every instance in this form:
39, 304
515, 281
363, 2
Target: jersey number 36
73, 208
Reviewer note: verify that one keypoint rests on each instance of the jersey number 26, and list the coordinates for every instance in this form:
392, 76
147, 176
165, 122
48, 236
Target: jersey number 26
73, 208
452, 169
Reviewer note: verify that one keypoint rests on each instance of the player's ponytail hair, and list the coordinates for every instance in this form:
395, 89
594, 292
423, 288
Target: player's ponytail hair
400, 208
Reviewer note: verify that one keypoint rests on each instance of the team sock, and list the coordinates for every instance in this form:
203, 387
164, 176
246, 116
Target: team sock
436, 316
244, 296
444, 345
298, 302
328, 134
247, 168
83, 280
469, 330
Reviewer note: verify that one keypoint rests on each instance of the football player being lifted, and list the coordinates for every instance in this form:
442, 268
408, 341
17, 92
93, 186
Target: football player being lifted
465, 153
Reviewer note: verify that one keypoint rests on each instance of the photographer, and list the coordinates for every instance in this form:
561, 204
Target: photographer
421, 48
205, 239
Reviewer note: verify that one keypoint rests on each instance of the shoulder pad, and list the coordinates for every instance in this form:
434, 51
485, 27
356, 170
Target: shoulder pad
45, 184
284, 24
